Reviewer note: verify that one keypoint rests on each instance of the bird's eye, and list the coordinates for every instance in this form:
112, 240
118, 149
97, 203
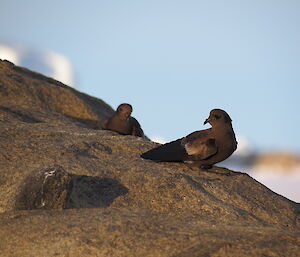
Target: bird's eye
217, 116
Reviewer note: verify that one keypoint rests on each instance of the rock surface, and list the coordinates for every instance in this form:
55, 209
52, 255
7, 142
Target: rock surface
68, 188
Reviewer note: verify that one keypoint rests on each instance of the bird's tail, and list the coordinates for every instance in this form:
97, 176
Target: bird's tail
170, 152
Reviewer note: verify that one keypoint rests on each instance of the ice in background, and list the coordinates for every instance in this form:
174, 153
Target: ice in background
47, 62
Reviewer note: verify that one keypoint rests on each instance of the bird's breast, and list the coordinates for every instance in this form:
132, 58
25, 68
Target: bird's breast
228, 143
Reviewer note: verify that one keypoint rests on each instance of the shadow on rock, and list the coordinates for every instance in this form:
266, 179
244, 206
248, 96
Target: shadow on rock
22, 115
91, 192
52, 187
85, 123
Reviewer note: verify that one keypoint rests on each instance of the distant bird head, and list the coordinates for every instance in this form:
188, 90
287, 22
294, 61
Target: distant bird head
124, 111
217, 116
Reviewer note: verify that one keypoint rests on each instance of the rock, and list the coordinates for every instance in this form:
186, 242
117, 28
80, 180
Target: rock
46, 188
30, 97
107, 201
92, 192
53, 188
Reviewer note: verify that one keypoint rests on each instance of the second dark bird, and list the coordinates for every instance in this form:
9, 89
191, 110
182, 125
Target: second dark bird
201, 148
123, 123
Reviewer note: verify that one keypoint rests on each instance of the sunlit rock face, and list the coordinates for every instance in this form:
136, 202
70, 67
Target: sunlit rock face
69, 188
47, 62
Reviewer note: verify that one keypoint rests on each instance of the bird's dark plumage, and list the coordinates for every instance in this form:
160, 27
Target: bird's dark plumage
123, 123
204, 147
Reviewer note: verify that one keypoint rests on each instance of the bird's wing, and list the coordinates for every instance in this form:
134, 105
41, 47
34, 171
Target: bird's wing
170, 152
104, 125
200, 145
136, 128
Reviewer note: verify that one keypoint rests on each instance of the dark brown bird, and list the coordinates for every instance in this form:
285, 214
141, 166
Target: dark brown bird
202, 148
123, 123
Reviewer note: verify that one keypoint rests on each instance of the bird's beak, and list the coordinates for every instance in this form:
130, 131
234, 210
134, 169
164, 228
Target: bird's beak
206, 121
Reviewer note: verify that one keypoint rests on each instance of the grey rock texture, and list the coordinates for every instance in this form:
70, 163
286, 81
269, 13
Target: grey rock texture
68, 188
47, 188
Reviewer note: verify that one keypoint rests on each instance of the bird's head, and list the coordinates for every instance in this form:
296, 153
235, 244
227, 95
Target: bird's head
124, 110
218, 116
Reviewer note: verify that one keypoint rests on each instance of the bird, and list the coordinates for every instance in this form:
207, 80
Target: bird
122, 123
202, 148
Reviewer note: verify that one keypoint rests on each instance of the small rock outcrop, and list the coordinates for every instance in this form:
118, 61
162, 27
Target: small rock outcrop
68, 188
47, 188
53, 188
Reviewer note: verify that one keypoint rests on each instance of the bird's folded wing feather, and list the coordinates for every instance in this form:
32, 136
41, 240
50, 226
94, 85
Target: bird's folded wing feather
136, 127
200, 144
172, 151
104, 125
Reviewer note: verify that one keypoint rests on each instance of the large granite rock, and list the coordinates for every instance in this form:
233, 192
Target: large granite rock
68, 188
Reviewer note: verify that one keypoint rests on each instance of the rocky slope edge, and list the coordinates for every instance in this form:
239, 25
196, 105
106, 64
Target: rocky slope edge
68, 188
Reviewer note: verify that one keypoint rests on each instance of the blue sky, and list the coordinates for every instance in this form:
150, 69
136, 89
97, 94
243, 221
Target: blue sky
174, 61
